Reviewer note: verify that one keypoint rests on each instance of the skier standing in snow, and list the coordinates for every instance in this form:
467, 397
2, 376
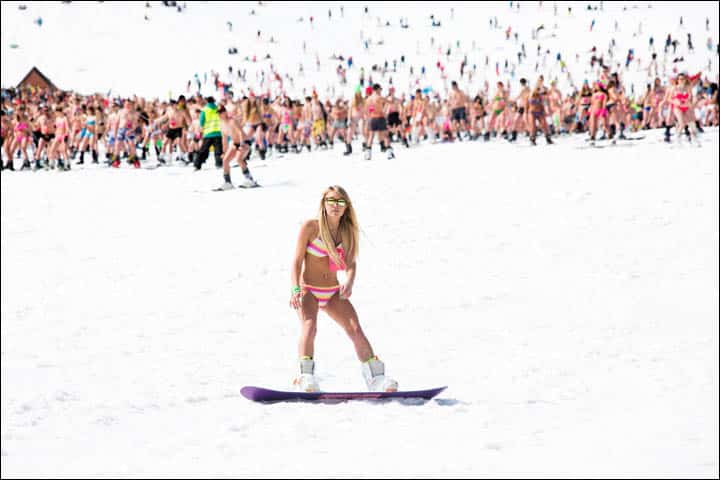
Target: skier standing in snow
210, 124
238, 149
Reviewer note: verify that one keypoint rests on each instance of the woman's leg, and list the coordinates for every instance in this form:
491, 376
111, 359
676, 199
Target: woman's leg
680, 126
343, 312
307, 313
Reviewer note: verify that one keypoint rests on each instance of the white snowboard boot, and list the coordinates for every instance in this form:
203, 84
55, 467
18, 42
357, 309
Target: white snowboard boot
247, 183
679, 140
374, 373
306, 381
367, 155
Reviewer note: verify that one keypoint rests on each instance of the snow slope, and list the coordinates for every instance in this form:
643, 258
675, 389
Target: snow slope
568, 298
100, 47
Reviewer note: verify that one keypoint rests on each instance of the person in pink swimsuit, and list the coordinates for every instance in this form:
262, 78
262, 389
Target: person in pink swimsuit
59, 145
326, 245
598, 110
22, 139
683, 105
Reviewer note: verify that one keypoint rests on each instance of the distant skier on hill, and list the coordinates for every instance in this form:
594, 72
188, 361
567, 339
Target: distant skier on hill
212, 136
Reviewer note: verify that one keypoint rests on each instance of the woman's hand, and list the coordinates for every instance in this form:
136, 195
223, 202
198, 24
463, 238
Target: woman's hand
296, 294
296, 299
345, 290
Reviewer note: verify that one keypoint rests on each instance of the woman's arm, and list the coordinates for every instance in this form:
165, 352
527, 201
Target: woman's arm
346, 288
306, 232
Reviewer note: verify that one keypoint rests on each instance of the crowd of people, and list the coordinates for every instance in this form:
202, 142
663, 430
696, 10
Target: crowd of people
58, 130
53, 130
436, 60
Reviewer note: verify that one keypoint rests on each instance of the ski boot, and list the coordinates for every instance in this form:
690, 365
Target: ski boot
248, 181
306, 381
367, 153
373, 372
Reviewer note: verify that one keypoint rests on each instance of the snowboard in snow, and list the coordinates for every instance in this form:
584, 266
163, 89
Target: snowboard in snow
259, 394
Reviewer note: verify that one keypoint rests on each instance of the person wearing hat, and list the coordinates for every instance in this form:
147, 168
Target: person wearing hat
212, 136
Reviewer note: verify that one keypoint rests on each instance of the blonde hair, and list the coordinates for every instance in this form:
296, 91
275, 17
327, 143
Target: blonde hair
358, 100
348, 228
250, 109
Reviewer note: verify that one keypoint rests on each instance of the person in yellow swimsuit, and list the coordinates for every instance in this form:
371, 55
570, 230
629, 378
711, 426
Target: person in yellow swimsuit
326, 245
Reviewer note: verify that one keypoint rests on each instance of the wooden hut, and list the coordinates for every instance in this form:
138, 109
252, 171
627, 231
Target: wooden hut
36, 79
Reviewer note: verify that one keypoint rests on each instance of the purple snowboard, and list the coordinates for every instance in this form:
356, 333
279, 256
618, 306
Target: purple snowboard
259, 394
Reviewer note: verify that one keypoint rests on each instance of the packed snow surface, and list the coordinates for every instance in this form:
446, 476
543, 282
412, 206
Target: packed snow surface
568, 298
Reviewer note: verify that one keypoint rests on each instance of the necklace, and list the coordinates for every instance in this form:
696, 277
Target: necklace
334, 235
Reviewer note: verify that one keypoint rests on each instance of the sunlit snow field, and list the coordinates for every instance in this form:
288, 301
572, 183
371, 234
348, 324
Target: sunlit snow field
568, 298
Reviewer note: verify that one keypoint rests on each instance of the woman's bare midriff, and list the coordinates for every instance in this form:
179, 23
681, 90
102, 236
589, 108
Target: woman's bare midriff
316, 272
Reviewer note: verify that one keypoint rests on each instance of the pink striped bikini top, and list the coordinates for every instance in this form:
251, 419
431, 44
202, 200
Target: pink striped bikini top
317, 248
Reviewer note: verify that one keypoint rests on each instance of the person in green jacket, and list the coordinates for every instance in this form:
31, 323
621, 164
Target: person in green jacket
212, 136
